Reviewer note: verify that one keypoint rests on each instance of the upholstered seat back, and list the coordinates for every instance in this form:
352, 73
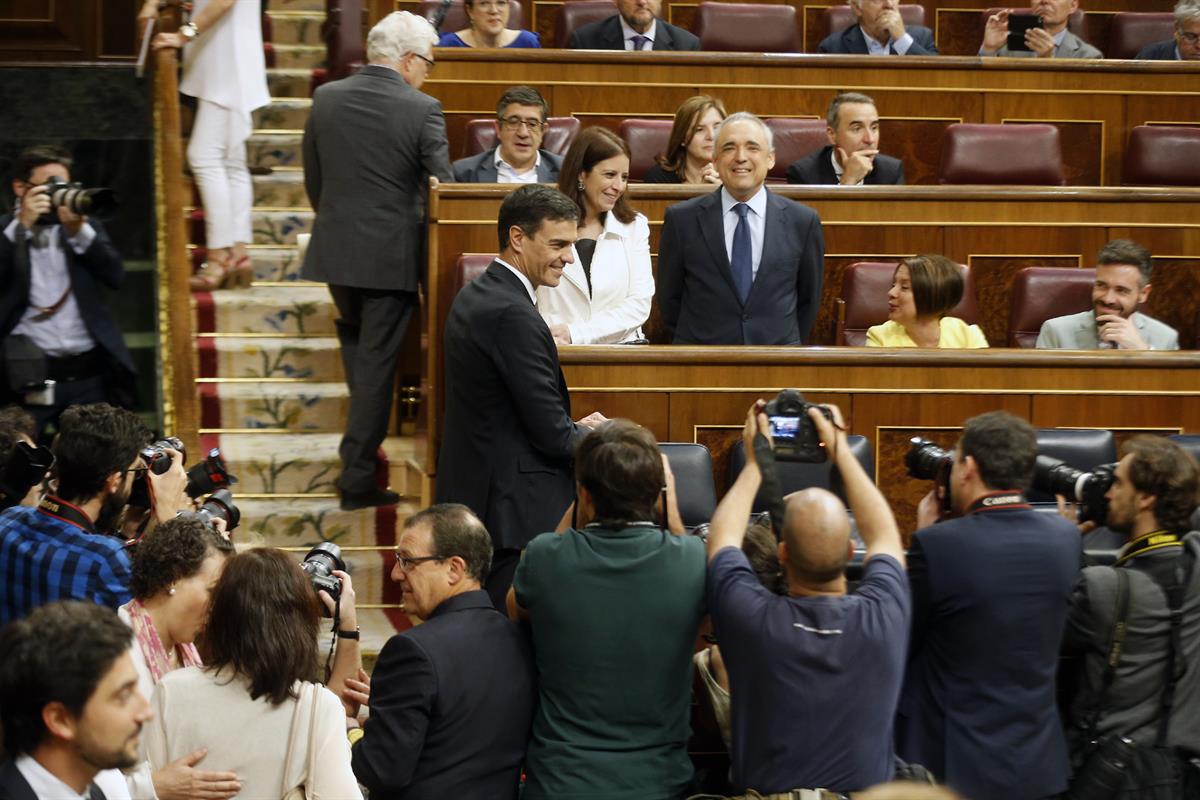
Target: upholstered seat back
574, 14
1042, 293
691, 464
1025, 155
747, 28
647, 139
1162, 155
1130, 31
794, 139
469, 267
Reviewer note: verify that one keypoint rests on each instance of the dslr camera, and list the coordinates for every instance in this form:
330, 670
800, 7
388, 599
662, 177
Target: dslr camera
25, 468
928, 462
218, 505
320, 563
75, 198
207, 477
1085, 488
794, 435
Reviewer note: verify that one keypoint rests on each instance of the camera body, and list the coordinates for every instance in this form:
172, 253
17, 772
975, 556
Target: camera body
793, 434
26, 467
926, 461
218, 505
320, 563
76, 199
1088, 489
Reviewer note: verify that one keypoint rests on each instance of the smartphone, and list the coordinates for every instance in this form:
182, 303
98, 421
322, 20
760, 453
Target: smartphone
1017, 25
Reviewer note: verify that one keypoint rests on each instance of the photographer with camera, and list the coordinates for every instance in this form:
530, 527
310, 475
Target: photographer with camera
814, 674
61, 344
61, 549
990, 591
1136, 626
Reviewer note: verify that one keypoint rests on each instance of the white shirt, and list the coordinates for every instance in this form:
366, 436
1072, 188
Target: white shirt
627, 33
878, 48
47, 786
225, 65
756, 219
65, 333
505, 173
521, 277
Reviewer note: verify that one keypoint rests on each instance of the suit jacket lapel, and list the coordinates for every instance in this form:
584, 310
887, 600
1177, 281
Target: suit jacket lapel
573, 272
825, 166
13, 782
854, 40
544, 170
487, 169
662, 37
613, 40
712, 230
773, 227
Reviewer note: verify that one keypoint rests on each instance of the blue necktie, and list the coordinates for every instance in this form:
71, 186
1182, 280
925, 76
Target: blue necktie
742, 259
639, 41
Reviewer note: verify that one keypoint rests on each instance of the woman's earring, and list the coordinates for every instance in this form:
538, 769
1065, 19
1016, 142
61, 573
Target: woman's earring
171, 591
580, 186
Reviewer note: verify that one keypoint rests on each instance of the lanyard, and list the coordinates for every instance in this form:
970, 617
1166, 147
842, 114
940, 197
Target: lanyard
65, 512
1155, 540
999, 500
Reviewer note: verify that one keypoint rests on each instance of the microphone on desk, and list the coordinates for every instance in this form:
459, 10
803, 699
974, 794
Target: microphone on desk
440, 16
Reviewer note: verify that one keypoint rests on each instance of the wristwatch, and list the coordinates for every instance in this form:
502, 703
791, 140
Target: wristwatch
188, 31
341, 634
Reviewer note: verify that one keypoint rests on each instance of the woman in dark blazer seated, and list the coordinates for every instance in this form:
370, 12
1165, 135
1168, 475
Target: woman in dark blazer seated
487, 26
690, 148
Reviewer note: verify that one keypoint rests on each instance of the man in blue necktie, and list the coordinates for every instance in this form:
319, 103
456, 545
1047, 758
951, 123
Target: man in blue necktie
740, 265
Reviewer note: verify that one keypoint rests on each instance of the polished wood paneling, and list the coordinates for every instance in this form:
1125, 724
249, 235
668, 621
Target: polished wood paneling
77, 31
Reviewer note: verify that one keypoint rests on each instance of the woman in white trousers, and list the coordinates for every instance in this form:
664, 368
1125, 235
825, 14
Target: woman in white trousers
224, 69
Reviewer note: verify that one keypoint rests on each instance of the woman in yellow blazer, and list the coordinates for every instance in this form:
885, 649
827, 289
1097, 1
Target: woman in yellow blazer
924, 289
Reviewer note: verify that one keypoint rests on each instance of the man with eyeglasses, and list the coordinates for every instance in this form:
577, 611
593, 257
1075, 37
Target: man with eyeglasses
370, 144
1185, 46
60, 549
451, 700
518, 158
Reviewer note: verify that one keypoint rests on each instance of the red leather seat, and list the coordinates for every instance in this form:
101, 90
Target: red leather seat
469, 267
456, 15
1042, 293
1161, 155
864, 303
1130, 31
1025, 155
747, 28
1076, 23
646, 138
481, 135
574, 14
794, 139
838, 18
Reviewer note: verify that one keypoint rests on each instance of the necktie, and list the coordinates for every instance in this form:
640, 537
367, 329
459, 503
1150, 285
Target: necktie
743, 272
639, 41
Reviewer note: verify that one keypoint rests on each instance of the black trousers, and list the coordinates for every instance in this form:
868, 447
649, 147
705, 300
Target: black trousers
371, 331
500, 578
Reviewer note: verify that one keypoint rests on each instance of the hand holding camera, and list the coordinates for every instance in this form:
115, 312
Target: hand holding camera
168, 488
35, 204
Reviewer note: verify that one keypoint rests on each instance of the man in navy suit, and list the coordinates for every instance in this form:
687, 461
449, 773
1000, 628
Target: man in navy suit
990, 590
635, 27
518, 158
740, 265
880, 32
852, 157
1185, 45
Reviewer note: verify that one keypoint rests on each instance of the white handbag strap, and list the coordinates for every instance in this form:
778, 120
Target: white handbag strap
293, 735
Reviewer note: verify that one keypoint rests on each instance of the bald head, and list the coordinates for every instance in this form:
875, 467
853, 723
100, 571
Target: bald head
816, 530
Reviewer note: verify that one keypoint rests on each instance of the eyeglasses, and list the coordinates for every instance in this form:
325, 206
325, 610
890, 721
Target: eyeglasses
491, 5
512, 123
1189, 37
428, 61
405, 563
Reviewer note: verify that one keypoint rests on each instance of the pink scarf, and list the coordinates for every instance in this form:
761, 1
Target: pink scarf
152, 647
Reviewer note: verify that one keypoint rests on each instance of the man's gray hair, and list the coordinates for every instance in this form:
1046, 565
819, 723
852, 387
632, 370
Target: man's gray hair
1187, 11
835, 106
397, 35
746, 116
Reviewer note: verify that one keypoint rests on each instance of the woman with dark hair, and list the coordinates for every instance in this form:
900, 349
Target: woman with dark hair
689, 154
924, 290
487, 26
604, 294
255, 705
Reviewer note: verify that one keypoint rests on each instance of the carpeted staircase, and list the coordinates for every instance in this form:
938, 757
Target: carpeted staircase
270, 377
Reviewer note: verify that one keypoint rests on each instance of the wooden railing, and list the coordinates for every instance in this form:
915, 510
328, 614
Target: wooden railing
181, 411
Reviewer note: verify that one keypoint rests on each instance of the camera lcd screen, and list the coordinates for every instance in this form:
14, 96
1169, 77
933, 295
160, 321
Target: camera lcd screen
1017, 25
784, 427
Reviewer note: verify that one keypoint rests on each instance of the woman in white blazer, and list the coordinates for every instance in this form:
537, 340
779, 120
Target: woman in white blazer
604, 295
225, 70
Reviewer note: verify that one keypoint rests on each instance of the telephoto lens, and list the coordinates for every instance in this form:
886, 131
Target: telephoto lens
320, 563
219, 505
925, 460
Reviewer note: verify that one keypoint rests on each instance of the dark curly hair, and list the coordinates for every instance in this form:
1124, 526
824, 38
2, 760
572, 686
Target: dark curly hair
173, 551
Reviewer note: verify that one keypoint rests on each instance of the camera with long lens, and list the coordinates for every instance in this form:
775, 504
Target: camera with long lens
1087, 489
76, 199
25, 468
793, 434
320, 563
206, 477
219, 505
926, 461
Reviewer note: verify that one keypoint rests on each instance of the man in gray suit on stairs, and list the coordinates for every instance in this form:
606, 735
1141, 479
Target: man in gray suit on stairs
370, 143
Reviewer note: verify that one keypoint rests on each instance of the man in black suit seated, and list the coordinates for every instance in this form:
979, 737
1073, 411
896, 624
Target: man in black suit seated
520, 125
880, 31
740, 265
636, 27
508, 438
852, 157
1185, 46
451, 699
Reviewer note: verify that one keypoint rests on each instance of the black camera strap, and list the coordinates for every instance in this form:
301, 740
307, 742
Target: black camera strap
1155, 540
1116, 639
65, 512
764, 455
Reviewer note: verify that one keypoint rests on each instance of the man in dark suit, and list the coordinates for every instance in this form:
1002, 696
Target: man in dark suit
1185, 45
852, 157
880, 31
740, 265
635, 27
508, 438
53, 264
990, 590
370, 143
452, 699
68, 727
520, 125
